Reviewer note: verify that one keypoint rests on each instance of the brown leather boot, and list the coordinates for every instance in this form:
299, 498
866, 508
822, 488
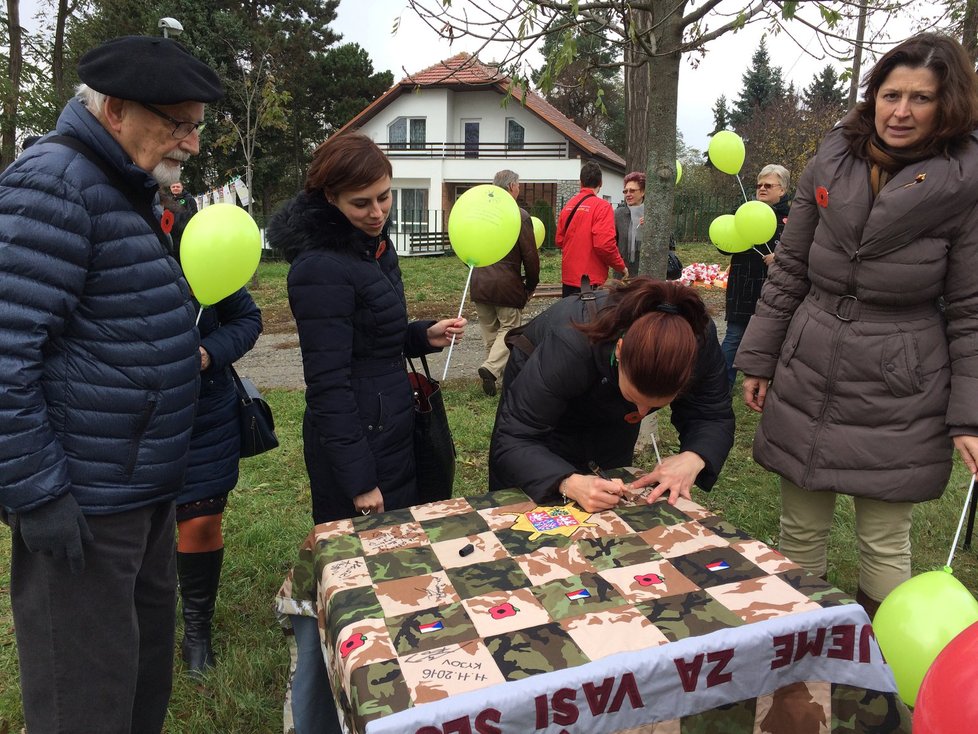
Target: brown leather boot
869, 604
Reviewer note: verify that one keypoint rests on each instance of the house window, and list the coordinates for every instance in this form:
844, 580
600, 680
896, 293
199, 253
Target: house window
407, 130
470, 133
515, 134
409, 210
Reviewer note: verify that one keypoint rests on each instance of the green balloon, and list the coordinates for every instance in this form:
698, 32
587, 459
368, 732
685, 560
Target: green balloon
916, 620
724, 234
756, 222
727, 152
679, 171
219, 252
539, 231
483, 225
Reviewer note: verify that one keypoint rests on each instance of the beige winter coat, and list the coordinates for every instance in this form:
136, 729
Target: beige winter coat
869, 382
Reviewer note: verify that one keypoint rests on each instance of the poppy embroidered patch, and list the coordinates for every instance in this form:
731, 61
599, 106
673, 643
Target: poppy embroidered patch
822, 197
166, 221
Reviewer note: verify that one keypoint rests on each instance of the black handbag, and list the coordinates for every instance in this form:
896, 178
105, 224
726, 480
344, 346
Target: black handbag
434, 448
255, 417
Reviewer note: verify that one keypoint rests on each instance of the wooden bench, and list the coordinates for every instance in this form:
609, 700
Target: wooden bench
429, 243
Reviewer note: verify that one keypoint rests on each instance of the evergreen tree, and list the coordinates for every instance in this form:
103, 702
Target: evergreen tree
589, 90
721, 115
825, 91
763, 86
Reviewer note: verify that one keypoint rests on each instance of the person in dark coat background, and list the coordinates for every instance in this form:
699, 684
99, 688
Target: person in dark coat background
346, 294
228, 330
583, 374
748, 270
501, 290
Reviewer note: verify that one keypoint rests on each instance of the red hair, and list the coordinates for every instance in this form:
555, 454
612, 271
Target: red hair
658, 323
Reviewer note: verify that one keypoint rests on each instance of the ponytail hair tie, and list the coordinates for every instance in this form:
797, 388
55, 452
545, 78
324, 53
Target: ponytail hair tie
667, 307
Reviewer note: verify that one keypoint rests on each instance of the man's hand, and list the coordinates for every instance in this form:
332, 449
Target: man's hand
370, 502
57, 529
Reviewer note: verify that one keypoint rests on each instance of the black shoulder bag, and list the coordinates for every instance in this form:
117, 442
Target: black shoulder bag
255, 417
434, 447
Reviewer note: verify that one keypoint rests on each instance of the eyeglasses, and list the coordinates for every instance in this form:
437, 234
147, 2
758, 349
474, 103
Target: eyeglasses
631, 191
768, 185
181, 128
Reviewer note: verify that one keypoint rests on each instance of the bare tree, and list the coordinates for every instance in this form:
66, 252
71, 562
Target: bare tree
653, 35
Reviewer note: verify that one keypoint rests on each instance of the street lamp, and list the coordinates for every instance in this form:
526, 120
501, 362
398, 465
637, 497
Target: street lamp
171, 27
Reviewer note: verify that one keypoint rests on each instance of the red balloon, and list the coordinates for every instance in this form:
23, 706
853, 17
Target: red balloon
947, 702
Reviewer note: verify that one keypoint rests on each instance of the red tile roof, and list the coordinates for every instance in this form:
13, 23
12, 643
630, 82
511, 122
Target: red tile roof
463, 71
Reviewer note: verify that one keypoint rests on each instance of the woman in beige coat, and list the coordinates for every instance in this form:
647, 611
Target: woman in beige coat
865, 382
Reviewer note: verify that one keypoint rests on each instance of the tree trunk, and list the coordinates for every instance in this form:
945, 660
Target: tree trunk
58, 53
969, 30
8, 132
660, 136
636, 101
857, 57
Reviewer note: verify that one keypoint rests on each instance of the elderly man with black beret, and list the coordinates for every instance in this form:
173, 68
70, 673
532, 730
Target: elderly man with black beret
99, 364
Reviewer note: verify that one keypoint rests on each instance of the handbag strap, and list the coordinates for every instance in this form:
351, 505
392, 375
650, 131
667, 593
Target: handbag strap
140, 204
424, 365
239, 386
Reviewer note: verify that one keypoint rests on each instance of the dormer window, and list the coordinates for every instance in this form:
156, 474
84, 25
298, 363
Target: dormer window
407, 132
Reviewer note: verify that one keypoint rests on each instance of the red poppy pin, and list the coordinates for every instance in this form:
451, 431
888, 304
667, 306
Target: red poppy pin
822, 197
166, 221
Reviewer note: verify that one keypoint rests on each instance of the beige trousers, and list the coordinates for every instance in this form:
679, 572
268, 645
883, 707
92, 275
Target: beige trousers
495, 322
882, 531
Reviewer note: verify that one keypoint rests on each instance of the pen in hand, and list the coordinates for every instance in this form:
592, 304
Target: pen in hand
598, 471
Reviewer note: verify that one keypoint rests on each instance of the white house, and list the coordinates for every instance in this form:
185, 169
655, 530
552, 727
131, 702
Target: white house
453, 125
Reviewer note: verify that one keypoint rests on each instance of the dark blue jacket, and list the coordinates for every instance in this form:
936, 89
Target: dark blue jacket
347, 297
228, 329
562, 407
99, 356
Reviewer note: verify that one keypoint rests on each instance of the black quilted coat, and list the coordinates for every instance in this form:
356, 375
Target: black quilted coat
347, 297
562, 407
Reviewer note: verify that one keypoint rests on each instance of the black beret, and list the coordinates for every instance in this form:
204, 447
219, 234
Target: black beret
149, 69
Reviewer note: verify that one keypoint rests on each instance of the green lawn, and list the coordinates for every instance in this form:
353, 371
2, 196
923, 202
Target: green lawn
269, 515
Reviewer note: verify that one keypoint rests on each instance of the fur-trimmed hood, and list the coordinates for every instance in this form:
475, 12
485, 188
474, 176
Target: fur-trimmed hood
308, 222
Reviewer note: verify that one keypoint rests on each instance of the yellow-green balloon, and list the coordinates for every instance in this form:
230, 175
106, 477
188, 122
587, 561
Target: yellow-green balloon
679, 171
724, 234
916, 620
756, 222
539, 231
727, 152
483, 225
219, 251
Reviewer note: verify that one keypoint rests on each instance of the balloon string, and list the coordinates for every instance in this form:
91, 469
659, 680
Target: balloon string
197, 322
967, 501
742, 189
451, 346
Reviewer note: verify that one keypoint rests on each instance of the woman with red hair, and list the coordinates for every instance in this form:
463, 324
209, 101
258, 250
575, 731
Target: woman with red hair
583, 374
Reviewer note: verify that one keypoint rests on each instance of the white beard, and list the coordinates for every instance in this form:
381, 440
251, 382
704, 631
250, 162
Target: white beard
166, 173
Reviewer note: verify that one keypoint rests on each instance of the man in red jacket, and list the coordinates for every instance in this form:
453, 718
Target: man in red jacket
586, 234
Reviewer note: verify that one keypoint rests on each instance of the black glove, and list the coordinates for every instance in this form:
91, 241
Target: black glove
57, 529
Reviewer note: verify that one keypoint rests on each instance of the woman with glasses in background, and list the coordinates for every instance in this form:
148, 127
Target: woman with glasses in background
748, 270
629, 217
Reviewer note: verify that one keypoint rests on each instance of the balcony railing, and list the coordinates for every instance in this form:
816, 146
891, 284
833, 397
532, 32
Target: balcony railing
469, 150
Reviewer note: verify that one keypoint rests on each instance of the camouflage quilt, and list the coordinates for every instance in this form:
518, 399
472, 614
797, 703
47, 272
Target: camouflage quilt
489, 614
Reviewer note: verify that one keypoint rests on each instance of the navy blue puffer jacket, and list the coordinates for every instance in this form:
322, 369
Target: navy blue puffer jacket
99, 356
228, 329
347, 297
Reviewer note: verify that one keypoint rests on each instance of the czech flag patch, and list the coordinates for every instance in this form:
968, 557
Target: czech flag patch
717, 566
430, 627
579, 594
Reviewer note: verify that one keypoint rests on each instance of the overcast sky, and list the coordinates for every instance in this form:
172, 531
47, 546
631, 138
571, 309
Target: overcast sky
415, 47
